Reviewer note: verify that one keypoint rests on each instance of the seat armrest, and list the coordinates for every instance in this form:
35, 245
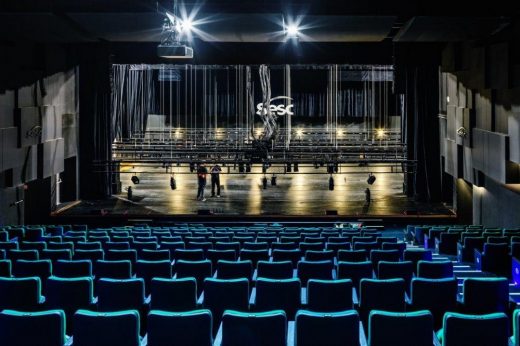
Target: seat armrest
436, 341
362, 336
200, 301
303, 296
478, 259
290, 333
426, 241
515, 270
218, 338
68, 340
252, 299
355, 299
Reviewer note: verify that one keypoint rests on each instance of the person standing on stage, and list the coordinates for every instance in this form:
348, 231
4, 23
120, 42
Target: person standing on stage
202, 171
215, 180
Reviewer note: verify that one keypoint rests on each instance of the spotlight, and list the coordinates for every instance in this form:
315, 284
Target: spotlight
299, 133
186, 25
380, 133
173, 183
135, 179
292, 31
331, 183
273, 180
371, 179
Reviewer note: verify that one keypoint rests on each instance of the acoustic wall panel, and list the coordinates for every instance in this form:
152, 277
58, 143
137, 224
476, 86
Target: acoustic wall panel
50, 158
11, 153
69, 132
451, 117
6, 109
453, 94
483, 109
51, 123
490, 154
451, 158
28, 122
467, 164
459, 125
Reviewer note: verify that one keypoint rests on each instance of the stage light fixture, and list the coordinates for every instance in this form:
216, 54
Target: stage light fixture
371, 179
186, 25
299, 133
380, 133
292, 30
135, 179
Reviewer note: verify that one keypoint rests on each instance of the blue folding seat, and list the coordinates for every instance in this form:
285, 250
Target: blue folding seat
254, 256
381, 240
155, 255
188, 255
196, 269
228, 294
44, 328
33, 245
282, 294
314, 270
72, 269
363, 239
92, 255
494, 259
436, 295
54, 230
174, 294
399, 246
235, 246
466, 252
367, 246
121, 294
8, 245
172, 246
416, 255
203, 245
22, 294
28, 255
113, 269
284, 246
119, 328
327, 329
383, 255
216, 255
474, 330
88, 245
448, 243
185, 328
61, 246
393, 270
287, 255
400, 328
337, 246
304, 247
234, 269
352, 255
122, 255
6, 268
116, 245
16, 232
55, 255
329, 295
238, 329
255, 246
153, 269
40, 268
377, 294
355, 271
324, 255
33, 234
435, 269
70, 295
139, 246
486, 295
275, 270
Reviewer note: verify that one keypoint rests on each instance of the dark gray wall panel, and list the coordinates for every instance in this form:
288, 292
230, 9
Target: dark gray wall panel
11, 154
514, 137
50, 158
496, 205
451, 158
451, 118
6, 109
28, 122
51, 123
483, 109
69, 132
490, 154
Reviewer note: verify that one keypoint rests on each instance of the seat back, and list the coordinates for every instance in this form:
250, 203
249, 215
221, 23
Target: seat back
174, 294
435, 269
6, 268
436, 295
153, 269
486, 295
392, 270
188, 255
275, 270
401, 328
22, 294
278, 295
336, 328
383, 255
197, 269
355, 271
216, 255
377, 294
106, 328
287, 255
314, 270
186, 328
121, 269
225, 294
329, 295
324, 255
72, 269
416, 255
45, 328
115, 295
234, 269
268, 328
254, 255
460, 329
352, 255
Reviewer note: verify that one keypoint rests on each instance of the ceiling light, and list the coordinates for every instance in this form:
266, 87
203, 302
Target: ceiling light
292, 30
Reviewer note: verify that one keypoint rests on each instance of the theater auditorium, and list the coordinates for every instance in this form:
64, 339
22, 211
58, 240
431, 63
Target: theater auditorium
259, 173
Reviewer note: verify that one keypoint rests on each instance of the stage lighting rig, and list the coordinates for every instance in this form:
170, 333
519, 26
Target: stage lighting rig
172, 30
371, 179
135, 179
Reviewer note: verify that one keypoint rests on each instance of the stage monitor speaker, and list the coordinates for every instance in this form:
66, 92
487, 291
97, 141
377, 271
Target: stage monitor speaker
331, 212
204, 212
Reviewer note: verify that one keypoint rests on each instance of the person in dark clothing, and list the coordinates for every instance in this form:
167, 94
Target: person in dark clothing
202, 171
215, 180
367, 196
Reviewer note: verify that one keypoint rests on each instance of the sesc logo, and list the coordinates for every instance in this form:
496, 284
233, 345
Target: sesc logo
277, 109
